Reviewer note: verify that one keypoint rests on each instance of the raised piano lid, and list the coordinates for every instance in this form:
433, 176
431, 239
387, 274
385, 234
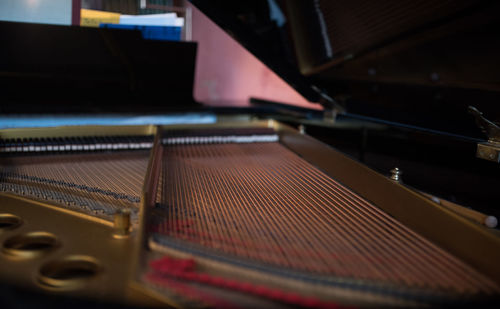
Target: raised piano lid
414, 62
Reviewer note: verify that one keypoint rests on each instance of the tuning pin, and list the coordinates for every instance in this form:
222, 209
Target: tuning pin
396, 175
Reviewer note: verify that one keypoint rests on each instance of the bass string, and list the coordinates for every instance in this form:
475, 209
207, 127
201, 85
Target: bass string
262, 202
425, 249
389, 249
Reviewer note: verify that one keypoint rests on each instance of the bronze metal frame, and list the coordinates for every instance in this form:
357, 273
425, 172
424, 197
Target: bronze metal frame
122, 260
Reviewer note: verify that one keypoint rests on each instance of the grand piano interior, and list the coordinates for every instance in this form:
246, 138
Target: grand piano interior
385, 196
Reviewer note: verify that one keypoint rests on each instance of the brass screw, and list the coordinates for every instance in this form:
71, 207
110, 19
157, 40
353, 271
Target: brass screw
396, 175
122, 223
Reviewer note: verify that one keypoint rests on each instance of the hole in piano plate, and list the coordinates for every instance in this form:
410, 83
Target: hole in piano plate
9, 221
30, 245
68, 273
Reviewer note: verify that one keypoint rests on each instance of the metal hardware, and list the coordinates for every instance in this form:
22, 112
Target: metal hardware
489, 150
122, 223
331, 107
396, 175
330, 115
302, 129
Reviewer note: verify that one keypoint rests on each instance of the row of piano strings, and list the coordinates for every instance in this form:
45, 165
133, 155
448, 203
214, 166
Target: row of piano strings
97, 175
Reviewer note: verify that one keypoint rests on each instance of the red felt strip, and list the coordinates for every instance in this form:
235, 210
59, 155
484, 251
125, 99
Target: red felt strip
189, 292
185, 269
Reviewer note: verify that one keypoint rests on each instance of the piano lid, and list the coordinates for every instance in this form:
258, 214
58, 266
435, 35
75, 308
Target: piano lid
415, 62
47, 69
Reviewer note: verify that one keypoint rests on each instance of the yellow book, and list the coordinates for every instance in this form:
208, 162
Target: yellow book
93, 18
